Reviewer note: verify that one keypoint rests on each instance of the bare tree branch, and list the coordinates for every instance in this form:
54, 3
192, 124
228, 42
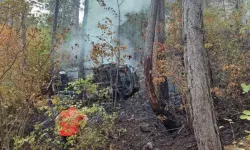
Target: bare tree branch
121, 2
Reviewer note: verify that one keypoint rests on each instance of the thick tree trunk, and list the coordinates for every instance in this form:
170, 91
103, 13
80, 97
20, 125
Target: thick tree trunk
54, 37
53, 46
148, 55
161, 89
195, 57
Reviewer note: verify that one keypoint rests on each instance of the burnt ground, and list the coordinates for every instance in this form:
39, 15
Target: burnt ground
144, 129
140, 127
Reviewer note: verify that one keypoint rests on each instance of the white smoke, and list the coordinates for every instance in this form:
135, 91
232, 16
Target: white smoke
69, 51
97, 13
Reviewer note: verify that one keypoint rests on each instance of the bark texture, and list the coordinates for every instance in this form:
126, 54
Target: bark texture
52, 55
54, 35
195, 58
148, 55
161, 89
157, 93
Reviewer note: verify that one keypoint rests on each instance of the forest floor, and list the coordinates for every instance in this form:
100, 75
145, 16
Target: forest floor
141, 129
145, 131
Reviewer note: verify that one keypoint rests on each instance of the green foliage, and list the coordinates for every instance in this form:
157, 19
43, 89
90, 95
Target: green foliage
95, 135
91, 134
81, 84
245, 88
246, 113
23, 69
104, 93
91, 88
226, 38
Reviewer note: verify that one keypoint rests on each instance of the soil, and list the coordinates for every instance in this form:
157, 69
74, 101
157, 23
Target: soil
143, 130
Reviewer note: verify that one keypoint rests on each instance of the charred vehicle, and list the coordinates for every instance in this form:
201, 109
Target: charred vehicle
127, 83
104, 76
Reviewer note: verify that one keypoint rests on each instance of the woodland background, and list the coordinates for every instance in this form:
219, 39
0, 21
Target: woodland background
150, 36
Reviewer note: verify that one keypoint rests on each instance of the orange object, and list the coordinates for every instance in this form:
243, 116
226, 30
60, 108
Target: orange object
68, 121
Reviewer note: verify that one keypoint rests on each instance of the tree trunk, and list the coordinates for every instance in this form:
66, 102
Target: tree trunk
161, 89
195, 58
140, 58
76, 30
148, 55
76, 16
160, 22
54, 37
84, 27
53, 45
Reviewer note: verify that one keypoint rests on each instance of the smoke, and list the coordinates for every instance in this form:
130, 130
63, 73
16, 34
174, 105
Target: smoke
69, 51
97, 13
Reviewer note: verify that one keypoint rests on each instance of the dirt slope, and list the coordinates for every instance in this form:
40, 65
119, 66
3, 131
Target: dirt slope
143, 129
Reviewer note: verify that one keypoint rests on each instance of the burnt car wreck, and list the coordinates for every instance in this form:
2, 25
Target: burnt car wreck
127, 83
104, 76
